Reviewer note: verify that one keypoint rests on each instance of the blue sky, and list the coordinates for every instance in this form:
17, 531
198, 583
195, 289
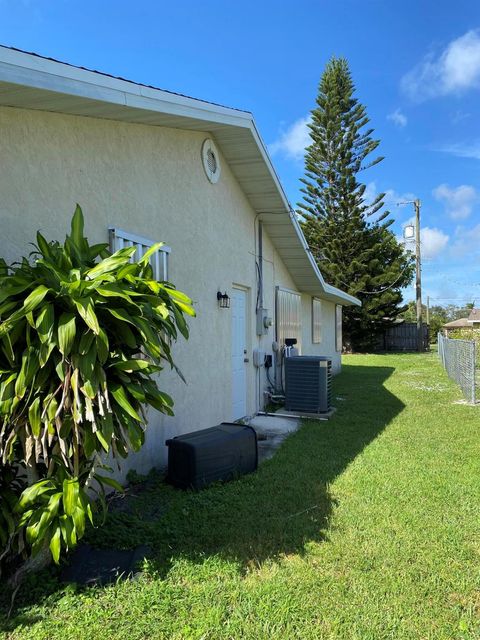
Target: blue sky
416, 65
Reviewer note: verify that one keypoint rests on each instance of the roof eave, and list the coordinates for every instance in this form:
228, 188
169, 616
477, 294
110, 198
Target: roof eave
28, 70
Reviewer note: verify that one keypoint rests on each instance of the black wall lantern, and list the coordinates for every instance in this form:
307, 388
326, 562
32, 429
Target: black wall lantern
223, 300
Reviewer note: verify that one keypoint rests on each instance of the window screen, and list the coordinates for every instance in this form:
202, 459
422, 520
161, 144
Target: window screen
316, 320
159, 260
288, 316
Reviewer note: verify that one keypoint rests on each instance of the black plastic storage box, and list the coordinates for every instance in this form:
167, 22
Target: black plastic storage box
220, 453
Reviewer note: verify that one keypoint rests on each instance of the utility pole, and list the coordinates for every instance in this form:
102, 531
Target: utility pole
428, 310
410, 232
418, 283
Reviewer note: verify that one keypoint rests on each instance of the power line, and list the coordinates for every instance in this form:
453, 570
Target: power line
467, 298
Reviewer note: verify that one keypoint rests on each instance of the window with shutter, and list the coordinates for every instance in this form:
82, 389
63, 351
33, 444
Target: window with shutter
159, 260
338, 327
316, 320
288, 316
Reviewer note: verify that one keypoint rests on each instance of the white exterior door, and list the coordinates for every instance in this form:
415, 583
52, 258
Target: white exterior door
239, 353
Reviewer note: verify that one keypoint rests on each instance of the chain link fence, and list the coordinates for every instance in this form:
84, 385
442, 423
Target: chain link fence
458, 359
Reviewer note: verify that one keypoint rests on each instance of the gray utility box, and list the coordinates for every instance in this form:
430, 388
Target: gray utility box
308, 384
220, 453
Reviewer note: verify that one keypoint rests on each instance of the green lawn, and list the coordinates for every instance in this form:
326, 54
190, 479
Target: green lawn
363, 527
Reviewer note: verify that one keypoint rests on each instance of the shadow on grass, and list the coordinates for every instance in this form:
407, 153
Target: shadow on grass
275, 511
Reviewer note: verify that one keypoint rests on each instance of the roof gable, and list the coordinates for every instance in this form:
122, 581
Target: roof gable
474, 315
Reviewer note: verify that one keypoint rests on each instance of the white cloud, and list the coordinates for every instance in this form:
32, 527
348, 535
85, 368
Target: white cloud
463, 150
433, 242
458, 201
392, 198
466, 243
370, 192
398, 118
294, 140
460, 116
455, 70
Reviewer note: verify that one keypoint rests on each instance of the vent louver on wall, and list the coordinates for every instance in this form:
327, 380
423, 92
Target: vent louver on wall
211, 160
308, 383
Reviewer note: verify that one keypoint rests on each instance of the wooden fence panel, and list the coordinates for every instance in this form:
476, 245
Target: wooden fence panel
403, 337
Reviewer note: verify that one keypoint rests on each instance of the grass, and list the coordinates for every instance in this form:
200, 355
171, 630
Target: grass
365, 527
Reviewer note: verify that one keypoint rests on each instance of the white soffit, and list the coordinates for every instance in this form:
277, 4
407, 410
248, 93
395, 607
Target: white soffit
29, 81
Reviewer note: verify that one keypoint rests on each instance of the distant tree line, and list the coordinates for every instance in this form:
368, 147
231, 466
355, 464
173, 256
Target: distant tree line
438, 315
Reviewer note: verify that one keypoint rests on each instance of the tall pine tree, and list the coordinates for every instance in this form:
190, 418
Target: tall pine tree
348, 236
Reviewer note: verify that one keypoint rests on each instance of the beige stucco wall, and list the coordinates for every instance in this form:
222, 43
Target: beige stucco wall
150, 181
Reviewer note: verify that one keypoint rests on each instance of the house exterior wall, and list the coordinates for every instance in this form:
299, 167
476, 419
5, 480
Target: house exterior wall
150, 181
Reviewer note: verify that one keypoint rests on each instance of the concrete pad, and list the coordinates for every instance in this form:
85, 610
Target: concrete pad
274, 424
310, 416
271, 432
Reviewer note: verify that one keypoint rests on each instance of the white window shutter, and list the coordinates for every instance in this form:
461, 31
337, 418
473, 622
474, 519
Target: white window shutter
119, 239
288, 316
316, 320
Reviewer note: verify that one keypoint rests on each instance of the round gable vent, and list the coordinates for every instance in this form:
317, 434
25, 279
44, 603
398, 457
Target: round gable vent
211, 160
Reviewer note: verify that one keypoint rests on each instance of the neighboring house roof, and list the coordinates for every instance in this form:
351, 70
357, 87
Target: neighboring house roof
456, 324
30, 81
474, 316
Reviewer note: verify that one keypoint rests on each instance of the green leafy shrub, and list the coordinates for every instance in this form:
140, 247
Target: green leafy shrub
83, 334
11, 486
465, 334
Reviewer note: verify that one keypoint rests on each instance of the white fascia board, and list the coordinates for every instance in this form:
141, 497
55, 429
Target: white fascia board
343, 298
29, 70
266, 158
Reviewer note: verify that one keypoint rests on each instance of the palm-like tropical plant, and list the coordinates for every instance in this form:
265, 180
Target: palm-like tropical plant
83, 334
11, 486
